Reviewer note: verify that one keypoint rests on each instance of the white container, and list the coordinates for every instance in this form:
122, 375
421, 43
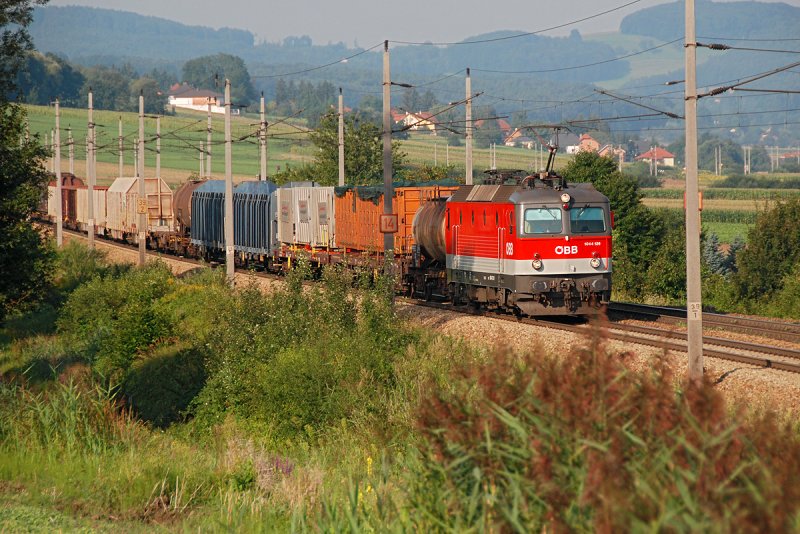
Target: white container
121, 207
306, 216
99, 194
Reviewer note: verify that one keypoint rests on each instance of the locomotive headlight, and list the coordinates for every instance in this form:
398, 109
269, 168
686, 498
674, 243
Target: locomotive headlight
565, 198
595, 261
537, 262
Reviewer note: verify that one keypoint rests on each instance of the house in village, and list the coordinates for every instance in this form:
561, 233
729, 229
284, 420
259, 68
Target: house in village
661, 156
185, 96
420, 120
518, 138
610, 151
585, 143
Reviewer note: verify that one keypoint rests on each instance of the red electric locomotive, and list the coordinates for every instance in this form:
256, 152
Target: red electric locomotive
534, 245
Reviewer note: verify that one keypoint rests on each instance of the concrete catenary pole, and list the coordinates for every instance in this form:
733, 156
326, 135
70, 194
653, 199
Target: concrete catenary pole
263, 139
92, 173
468, 126
120, 147
388, 186
208, 140
57, 171
694, 304
229, 245
158, 148
71, 145
141, 208
341, 138
201, 156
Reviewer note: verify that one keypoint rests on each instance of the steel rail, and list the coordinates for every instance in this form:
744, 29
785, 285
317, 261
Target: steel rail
787, 331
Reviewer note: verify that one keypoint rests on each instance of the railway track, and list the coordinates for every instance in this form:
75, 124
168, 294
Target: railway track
726, 349
668, 339
747, 325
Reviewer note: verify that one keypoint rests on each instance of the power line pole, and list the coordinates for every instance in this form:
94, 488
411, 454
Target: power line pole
120, 147
468, 121
92, 175
141, 207
229, 245
51, 146
57, 170
694, 304
388, 186
341, 138
208, 140
263, 138
71, 145
158, 152
201, 156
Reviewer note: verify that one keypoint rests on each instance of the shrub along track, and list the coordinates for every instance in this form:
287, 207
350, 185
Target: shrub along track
756, 354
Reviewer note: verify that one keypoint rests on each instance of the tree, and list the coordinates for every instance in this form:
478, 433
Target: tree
15, 16
110, 88
210, 72
713, 256
47, 77
154, 99
773, 249
25, 260
622, 191
363, 151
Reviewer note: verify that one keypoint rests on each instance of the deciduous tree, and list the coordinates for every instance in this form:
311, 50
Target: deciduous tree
24, 258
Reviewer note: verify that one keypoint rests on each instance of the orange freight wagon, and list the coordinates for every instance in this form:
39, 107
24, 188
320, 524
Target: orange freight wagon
358, 210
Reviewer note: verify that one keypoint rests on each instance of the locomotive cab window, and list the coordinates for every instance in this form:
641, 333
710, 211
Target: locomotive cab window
543, 220
587, 220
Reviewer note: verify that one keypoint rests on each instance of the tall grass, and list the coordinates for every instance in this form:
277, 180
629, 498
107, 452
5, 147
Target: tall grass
319, 409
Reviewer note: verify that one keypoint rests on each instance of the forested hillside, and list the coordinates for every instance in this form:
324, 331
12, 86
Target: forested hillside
717, 19
112, 37
81, 32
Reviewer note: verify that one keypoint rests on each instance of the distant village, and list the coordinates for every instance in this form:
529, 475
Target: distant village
183, 96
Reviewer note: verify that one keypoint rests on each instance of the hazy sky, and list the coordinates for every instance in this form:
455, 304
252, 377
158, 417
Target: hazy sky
368, 22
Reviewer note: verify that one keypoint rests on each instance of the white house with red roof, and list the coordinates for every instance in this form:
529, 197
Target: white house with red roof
662, 157
187, 97
421, 120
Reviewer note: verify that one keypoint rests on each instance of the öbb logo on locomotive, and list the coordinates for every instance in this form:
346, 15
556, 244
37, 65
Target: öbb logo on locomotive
463, 243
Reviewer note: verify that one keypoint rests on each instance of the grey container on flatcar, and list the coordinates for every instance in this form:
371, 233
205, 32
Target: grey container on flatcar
208, 215
254, 231
306, 216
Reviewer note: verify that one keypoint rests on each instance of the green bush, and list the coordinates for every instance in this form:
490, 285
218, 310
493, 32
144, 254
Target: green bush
160, 387
76, 264
299, 360
756, 181
111, 320
786, 300
773, 249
